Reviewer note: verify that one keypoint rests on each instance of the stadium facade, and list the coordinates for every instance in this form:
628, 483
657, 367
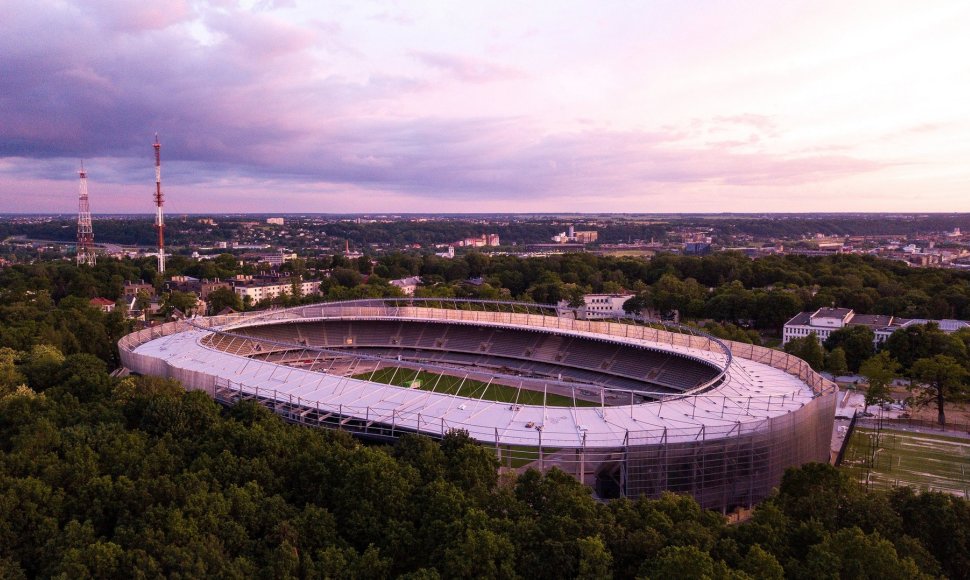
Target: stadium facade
630, 409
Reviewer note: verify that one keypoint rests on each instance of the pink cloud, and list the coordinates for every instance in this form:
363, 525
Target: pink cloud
134, 17
468, 69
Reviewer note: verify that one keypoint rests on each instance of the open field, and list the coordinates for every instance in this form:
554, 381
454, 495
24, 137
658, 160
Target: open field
473, 389
925, 461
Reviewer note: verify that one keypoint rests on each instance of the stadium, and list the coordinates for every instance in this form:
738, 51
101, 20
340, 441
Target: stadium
628, 408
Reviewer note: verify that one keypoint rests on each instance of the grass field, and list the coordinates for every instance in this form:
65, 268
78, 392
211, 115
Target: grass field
470, 388
896, 458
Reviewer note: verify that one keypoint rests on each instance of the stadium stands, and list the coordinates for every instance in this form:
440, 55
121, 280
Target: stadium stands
528, 353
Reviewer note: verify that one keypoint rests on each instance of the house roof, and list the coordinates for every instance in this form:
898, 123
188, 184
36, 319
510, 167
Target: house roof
827, 312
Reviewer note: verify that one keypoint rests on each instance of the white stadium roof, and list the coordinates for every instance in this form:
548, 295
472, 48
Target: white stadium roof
751, 393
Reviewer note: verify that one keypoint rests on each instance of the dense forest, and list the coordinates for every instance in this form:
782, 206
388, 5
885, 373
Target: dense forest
121, 478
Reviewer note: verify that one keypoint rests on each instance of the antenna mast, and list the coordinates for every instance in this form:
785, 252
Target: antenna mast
159, 201
85, 234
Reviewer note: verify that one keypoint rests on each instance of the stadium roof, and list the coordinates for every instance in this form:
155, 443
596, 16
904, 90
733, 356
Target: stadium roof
751, 393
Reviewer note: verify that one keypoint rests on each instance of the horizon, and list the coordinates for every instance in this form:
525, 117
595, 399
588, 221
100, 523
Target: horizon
552, 215
373, 108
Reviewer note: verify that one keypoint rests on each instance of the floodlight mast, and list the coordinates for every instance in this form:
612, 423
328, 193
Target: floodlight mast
159, 202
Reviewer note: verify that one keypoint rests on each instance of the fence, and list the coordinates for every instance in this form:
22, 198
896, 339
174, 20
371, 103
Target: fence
909, 424
845, 442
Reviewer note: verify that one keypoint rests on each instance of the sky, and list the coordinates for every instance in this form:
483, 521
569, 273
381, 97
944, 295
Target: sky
542, 106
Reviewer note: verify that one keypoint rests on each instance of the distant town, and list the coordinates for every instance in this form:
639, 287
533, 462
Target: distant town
927, 240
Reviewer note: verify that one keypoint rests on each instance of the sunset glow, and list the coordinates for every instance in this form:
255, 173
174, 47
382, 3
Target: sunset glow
460, 107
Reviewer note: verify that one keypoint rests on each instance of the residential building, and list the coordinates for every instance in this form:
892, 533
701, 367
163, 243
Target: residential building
273, 259
407, 285
103, 304
597, 306
259, 291
131, 289
480, 242
202, 287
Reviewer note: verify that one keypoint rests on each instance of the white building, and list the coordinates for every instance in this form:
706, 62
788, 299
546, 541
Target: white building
824, 321
576, 236
276, 221
276, 259
259, 291
597, 306
407, 285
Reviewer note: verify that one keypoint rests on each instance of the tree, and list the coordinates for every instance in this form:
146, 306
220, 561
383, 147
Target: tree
808, 349
185, 301
849, 553
676, 562
296, 289
940, 523
856, 341
346, 277
817, 491
879, 370
937, 380
835, 362
575, 295
222, 298
143, 303
10, 377
670, 293
637, 304
760, 564
907, 345
41, 365
595, 560
774, 308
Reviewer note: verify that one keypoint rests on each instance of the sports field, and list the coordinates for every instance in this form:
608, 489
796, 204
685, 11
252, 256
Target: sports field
887, 459
470, 388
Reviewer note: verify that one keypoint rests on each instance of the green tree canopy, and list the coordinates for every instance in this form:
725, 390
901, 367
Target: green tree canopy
879, 370
835, 362
808, 349
856, 341
909, 344
222, 298
938, 380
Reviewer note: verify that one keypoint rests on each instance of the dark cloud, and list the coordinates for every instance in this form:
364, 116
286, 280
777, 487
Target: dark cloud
257, 101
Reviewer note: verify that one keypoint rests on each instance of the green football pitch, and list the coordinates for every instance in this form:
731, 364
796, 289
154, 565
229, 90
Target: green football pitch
886, 459
462, 387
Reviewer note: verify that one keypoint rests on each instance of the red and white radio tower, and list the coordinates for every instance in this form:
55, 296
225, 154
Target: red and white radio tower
159, 201
85, 234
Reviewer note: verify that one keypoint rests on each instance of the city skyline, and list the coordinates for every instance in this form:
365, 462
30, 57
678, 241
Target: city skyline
549, 107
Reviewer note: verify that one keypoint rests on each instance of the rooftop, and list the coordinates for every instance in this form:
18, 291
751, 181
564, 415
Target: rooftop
826, 312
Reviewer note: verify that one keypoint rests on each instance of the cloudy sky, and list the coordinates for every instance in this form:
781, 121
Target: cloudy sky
360, 106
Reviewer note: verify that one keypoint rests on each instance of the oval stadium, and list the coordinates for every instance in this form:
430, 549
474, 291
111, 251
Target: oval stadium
628, 408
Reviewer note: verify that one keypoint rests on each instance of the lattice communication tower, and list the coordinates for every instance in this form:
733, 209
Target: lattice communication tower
159, 201
85, 233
